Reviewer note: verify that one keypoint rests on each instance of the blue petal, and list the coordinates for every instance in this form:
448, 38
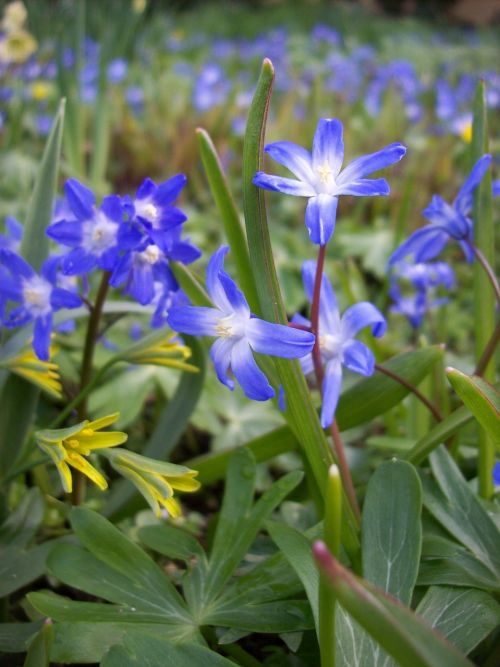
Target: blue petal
14, 228
331, 391
142, 284
365, 187
109, 258
358, 317
220, 353
367, 164
146, 189
287, 186
214, 286
197, 321
42, 330
62, 298
78, 261
252, 380
432, 247
112, 208
129, 236
329, 317
185, 252
80, 199
358, 358
328, 145
496, 474
278, 340
463, 200
443, 215
121, 270
171, 217
321, 212
293, 157
169, 190
234, 295
428, 237
281, 398
18, 317
468, 252
65, 232
16, 264
9, 288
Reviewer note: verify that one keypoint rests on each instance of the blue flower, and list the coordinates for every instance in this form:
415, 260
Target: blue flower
447, 222
238, 332
320, 177
496, 474
38, 297
336, 339
98, 235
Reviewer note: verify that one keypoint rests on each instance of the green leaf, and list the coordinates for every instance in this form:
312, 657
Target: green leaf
481, 398
391, 543
239, 522
401, 632
229, 215
146, 651
455, 506
465, 617
19, 567
375, 395
22, 524
14, 637
111, 547
170, 541
275, 617
439, 434
40, 646
297, 550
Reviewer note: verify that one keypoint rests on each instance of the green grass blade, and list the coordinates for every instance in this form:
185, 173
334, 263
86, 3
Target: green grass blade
235, 231
484, 297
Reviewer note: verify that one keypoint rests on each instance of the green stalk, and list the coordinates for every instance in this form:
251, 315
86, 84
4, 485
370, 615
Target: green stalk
332, 532
484, 294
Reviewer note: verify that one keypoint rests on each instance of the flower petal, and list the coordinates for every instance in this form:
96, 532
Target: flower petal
112, 208
62, 298
331, 391
169, 190
288, 186
220, 353
321, 214
78, 261
234, 295
358, 358
196, 321
364, 187
367, 164
329, 317
16, 264
42, 330
215, 289
293, 157
278, 340
328, 145
358, 317
252, 380
432, 238
80, 199
146, 189
65, 232
463, 200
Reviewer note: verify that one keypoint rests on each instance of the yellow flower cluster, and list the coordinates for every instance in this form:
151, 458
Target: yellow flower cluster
17, 44
43, 374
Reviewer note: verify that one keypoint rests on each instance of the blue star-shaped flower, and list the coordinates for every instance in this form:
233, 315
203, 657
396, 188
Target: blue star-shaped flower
320, 177
238, 333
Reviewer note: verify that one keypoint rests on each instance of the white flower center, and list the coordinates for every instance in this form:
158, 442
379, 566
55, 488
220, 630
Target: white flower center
150, 255
231, 326
36, 293
99, 234
147, 210
325, 173
331, 346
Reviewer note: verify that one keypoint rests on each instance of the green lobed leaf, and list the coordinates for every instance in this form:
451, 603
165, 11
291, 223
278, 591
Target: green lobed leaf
455, 506
270, 617
170, 541
481, 398
20, 567
401, 632
233, 227
464, 616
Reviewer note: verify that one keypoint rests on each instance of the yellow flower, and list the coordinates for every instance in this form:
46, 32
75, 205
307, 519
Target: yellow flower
466, 132
44, 374
17, 47
158, 351
40, 90
155, 480
139, 6
69, 447
14, 16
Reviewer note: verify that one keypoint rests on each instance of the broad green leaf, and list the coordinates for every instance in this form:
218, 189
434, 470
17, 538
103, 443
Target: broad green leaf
39, 648
391, 529
110, 546
233, 228
19, 567
439, 434
14, 637
297, 550
455, 506
481, 398
146, 651
275, 617
21, 524
239, 522
464, 616
170, 541
398, 630
448, 563
391, 537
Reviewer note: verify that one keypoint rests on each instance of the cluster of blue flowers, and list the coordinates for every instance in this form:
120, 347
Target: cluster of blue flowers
132, 239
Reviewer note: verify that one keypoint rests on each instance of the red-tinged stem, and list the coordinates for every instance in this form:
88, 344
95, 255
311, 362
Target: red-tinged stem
345, 473
488, 352
487, 269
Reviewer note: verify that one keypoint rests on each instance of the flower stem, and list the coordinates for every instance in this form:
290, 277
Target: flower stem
488, 352
86, 371
423, 399
318, 370
487, 269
